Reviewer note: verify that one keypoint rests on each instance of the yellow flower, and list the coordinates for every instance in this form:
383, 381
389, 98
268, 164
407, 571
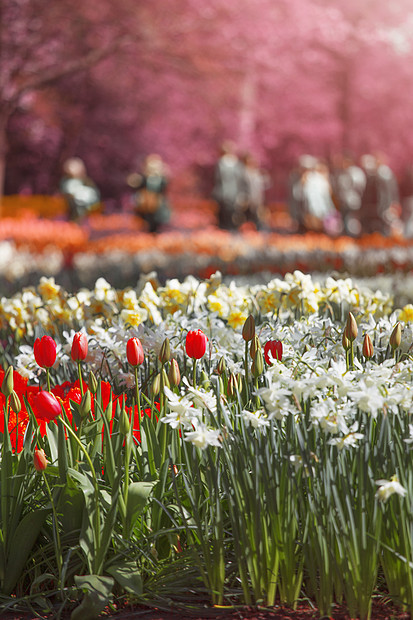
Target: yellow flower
48, 288
406, 313
237, 319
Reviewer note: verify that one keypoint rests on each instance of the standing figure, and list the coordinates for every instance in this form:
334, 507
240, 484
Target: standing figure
254, 182
80, 191
151, 202
321, 213
349, 184
228, 188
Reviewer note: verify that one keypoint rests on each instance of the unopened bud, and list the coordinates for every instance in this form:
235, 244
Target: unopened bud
257, 366
8, 383
165, 352
85, 405
248, 331
368, 349
165, 380
254, 346
156, 384
204, 380
221, 367
345, 341
92, 383
351, 329
124, 424
396, 336
232, 385
174, 374
15, 402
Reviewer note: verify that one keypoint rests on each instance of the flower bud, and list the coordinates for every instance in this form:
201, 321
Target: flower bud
275, 347
204, 380
156, 384
368, 349
165, 352
79, 347
351, 329
85, 404
248, 331
257, 366
8, 383
124, 423
165, 380
254, 346
221, 366
396, 336
232, 385
44, 350
195, 344
92, 383
174, 374
46, 406
345, 341
39, 460
15, 402
134, 352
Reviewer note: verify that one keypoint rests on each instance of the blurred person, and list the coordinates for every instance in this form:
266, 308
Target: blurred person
227, 190
151, 203
81, 193
321, 214
380, 211
254, 182
406, 200
296, 197
389, 201
349, 181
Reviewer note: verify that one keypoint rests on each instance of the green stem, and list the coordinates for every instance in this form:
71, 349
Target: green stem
48, 379
95, 485
56, 531
137, 393
246, 372
79, 372
194, 372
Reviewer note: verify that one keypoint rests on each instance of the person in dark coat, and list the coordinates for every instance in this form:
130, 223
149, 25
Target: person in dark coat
81, 193
227, 190
151, 203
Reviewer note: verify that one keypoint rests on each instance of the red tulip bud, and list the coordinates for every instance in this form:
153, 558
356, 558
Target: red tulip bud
45, 351
134, 352
248, 330
195, 344
39, 460
79, 347
351, 329
46, 406
368, 350
275, 347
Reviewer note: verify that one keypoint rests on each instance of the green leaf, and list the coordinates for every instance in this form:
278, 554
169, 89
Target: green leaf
127, 576
62, 452
21, 544
98, 592
138, 494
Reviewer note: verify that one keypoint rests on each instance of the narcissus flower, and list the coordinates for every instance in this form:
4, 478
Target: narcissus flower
39, 460
275, 347
195, 344
45, 351
79, 347
134, 352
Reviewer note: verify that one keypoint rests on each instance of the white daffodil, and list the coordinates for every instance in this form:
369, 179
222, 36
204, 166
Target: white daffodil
202, 437
388, 487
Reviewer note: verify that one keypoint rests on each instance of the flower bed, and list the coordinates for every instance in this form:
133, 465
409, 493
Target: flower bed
248, 445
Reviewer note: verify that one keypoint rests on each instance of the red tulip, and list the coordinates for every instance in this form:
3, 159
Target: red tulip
39, 460
79, 347
46, 406
45, 351
195, 344
275, 347
134, 352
